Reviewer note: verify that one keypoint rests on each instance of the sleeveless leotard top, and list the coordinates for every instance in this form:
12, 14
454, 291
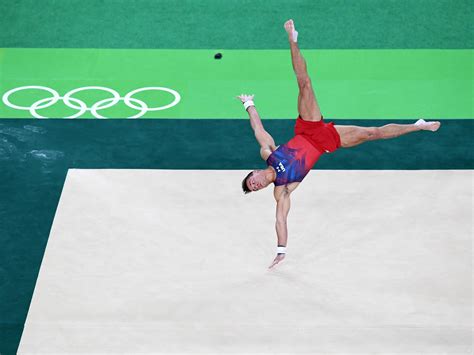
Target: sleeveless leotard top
292, 161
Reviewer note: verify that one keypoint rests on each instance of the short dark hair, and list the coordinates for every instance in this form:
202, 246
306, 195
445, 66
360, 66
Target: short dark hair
244, 184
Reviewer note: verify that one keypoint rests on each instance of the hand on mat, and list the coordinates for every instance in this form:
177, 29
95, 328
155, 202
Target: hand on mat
277, 259
244, 97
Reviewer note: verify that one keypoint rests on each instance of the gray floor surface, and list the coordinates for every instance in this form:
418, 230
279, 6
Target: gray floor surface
168, 261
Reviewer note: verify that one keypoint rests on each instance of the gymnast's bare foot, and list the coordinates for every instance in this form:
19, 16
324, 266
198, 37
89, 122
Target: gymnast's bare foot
427, 126
290, 29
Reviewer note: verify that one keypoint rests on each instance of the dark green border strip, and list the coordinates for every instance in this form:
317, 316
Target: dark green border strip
232, 24
35, 156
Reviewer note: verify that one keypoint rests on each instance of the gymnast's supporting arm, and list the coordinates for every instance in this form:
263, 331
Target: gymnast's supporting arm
282, 209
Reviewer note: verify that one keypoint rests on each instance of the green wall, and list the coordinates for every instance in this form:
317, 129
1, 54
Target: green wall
236, 24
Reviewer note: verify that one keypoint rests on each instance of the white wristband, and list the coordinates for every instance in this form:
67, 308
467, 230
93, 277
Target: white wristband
247, 104
281, 250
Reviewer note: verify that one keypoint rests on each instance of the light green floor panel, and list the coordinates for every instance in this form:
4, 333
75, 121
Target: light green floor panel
368, 84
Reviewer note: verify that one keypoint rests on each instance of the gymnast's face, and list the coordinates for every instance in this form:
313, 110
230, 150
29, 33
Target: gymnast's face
257, 180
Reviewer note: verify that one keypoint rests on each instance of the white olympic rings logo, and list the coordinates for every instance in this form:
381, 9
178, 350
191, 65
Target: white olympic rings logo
81, 105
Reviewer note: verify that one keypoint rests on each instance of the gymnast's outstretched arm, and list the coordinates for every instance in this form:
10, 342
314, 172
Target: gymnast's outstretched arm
264, 138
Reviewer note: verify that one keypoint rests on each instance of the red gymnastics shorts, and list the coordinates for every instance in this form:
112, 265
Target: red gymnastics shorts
323, 136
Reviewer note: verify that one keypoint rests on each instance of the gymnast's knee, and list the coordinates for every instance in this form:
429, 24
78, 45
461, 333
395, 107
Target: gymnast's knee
373, 133
304, 82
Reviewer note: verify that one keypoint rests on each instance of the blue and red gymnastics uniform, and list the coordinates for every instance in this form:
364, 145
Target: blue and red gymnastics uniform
293, 160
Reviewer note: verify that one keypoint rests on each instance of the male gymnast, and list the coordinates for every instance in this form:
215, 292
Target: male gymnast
289, 163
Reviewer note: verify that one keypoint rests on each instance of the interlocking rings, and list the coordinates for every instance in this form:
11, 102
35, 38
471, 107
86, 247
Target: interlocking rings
81, 105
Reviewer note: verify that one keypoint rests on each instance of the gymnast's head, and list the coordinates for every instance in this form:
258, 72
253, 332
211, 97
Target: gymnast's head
254, 181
